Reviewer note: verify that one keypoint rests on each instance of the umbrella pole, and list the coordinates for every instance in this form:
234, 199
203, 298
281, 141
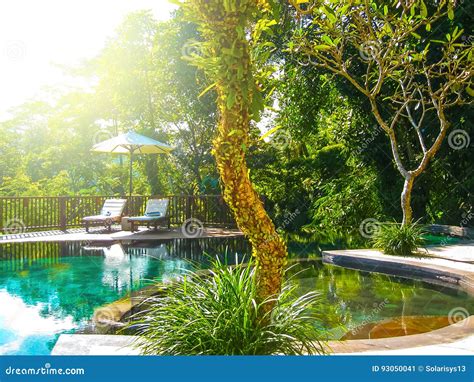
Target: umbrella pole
131, 173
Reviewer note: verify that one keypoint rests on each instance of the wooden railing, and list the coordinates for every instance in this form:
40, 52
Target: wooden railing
29, 214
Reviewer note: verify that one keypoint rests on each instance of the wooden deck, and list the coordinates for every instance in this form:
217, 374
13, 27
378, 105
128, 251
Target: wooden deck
101, 235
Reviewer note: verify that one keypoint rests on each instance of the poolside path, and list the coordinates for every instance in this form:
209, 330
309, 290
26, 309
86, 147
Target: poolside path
452, 340
440, 264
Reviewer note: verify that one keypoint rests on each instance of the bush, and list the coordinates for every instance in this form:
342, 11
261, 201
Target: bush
218, 314
398, 239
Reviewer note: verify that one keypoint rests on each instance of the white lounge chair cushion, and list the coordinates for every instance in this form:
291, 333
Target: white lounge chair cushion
112, 209
99, 218
156, 209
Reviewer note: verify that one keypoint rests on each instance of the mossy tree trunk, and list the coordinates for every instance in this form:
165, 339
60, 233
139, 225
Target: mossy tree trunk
226, 59
230, 145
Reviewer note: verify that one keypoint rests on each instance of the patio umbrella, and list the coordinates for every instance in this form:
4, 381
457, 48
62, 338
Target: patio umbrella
132, 143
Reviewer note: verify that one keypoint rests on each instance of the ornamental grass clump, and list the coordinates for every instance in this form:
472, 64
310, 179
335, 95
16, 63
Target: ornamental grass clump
399, 239
219, 314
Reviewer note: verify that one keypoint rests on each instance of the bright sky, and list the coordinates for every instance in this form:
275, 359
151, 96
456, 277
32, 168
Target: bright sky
36, 36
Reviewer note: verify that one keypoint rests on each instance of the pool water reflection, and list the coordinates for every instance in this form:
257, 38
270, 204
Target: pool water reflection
53, 288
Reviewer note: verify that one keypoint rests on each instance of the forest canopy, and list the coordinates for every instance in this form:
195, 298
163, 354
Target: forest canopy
316, 155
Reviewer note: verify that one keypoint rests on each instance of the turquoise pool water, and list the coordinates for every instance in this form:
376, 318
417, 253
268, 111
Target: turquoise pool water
50, 288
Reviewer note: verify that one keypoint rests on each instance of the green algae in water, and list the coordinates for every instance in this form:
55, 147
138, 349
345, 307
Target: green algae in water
351, 299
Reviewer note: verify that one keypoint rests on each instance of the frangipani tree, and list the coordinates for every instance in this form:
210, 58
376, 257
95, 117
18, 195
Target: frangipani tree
409, 80
228, 29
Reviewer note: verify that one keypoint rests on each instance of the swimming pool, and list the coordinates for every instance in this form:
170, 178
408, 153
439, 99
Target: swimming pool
360, 305
51, 288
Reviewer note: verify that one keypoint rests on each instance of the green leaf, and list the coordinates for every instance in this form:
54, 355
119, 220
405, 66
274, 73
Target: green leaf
451, 14
207, 89
257, 105
327, 39
270, 132
230, 100
423, 9
322, 47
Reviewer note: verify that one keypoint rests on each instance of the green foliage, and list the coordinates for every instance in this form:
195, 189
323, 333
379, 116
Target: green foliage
146, 80
344, 202
141, 83
399, 239
217, 314
321, 172
408, 75
335, 170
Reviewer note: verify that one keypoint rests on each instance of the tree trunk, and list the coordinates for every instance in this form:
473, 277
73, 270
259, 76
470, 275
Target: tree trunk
268, 248
229, 65
406, 199
230, 146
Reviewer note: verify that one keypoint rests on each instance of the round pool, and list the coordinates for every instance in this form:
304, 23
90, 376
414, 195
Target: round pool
358, 305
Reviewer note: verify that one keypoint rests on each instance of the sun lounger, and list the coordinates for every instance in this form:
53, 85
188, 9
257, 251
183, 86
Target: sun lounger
156, 213
111, 213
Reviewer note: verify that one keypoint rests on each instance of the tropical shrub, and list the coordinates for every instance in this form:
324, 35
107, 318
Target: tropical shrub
399, 239
219, 314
